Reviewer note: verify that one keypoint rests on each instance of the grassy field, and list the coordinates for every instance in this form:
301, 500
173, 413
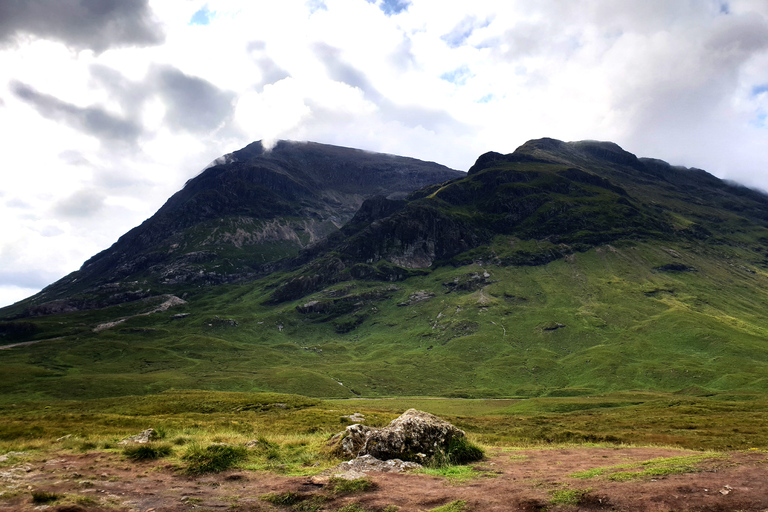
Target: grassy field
292, 430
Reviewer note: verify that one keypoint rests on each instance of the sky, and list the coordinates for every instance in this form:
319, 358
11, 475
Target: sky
107, 107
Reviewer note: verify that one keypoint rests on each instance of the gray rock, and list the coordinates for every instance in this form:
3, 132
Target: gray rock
414, 436
366, 463
142, 437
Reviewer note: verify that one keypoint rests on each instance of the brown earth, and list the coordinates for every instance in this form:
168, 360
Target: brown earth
522, 480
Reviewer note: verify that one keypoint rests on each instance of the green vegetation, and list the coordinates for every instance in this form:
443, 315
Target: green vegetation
454, 506
139, 452
567, 496
343, 486
44, 497
212, 459
655, 467
287, 498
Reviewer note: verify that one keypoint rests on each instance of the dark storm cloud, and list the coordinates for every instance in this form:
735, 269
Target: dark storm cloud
341, 71
80, 24
192, 104
92, 120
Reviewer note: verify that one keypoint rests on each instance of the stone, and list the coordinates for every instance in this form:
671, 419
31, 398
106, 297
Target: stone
142, 437
414, 436
356, 417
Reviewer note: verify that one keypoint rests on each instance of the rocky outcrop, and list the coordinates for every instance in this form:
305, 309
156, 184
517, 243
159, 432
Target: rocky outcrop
142, 437
414, 436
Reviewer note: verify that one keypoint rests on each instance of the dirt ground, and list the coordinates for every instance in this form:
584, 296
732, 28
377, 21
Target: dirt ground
524, 480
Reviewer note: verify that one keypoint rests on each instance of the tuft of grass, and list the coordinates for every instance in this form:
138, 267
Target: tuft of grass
568, 496
343, 486
141, 452
212, 459
460, 451
43, 497
455, 474
287, 498
454, 506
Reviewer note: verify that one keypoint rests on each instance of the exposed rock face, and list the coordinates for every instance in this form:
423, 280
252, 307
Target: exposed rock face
414, 436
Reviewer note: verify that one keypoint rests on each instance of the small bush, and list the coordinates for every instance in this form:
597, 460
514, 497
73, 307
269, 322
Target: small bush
41, 497
212, 459
139, 452
181, 440
344, 486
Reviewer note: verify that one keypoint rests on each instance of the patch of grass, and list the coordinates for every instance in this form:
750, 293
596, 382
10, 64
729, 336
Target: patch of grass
654, 467
462, 451
567, 496
212, 459
44, 497
455, 474
88, 501
287, 498
139, 452
454, 506
342, 486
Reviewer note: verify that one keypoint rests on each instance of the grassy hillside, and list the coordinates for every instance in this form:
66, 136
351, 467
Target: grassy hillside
615, 317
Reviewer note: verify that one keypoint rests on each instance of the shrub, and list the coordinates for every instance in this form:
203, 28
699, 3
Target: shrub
139, 452
212, 459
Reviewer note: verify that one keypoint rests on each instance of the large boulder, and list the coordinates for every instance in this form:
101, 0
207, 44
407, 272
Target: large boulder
414, 436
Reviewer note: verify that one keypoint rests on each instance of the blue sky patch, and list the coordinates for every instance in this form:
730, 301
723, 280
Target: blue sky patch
390, 7
201, 17
458, 76
486, 99
759, 89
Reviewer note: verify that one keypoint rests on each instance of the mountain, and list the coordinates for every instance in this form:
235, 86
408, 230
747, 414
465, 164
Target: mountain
563, 268
236, 219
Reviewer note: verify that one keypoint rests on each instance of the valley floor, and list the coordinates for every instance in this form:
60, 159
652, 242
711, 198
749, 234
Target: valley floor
561, 478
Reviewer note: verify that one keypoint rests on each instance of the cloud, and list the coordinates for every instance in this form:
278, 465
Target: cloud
192, 104
92, 120
463, 30
271, 72
342, 72
81, 24
83, 203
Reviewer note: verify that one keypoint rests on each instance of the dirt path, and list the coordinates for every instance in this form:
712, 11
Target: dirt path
525, 480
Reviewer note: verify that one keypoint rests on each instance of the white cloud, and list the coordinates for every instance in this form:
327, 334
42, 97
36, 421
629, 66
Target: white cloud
101, 129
